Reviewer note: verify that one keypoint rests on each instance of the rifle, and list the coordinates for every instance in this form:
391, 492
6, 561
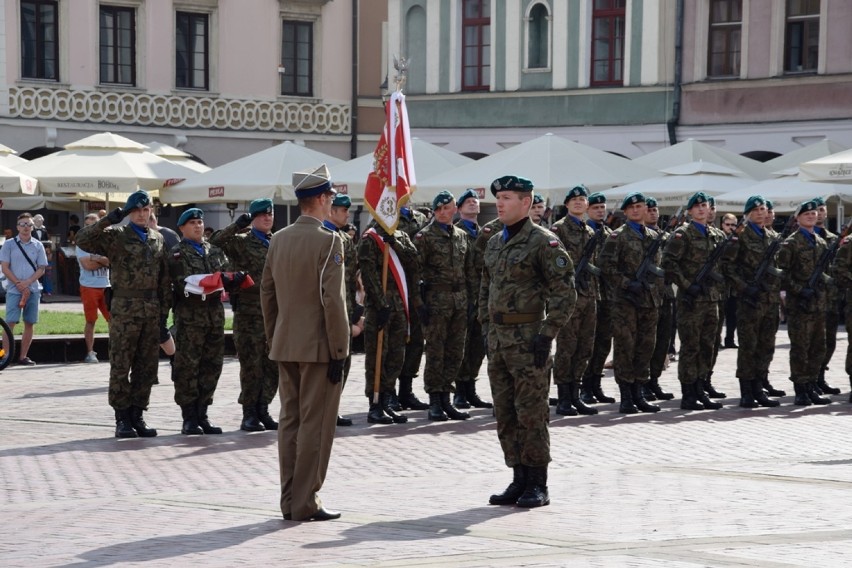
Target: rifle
707, 270
647, 266
585, 266
765, 266
818, 277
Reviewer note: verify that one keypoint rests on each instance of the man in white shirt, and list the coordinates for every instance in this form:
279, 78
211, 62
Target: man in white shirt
94, 280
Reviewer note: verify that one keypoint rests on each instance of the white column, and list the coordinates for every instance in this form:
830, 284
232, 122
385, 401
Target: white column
395, 25
559, 45
433, 46
455, 50
654, 40
514, 35
4, 85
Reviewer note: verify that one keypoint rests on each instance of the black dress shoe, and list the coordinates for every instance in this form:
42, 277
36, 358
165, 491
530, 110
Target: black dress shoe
731, 345
324, 514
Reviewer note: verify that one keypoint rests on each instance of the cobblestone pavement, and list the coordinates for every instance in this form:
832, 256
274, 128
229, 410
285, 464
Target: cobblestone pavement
735, 487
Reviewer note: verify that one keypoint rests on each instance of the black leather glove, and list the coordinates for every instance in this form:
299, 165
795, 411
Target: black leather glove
634, 287
389, 239
694, 291
382, 316
541, 350
423, 312
116, 215
335, 370
232, 282
807, 294
243, 221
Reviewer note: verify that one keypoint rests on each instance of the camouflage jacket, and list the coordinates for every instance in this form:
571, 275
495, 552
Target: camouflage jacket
530, 273
412, 223
472, 239
685, 254
185, 261
747, 255
574, 236
623, 253
842, 269
604, 291
135, 266
246, 252
446, 260
370, 259
831, 293
798, 258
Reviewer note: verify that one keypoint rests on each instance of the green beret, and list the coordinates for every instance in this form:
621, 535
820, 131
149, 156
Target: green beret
711, 200
341, 200
511, 183
190, 214
537, 199
596, 198
697, 198
769, 205
468, 194
752, 202
138, 198
819, 201
442, 198
259, 206
650, 202
632, 199
810, 205
576, 191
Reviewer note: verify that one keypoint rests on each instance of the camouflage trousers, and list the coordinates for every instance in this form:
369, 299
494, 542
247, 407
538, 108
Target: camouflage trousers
848, 317
665, 330
696, 327
258, 374
133, 359
832, 320
720, 324
756, 329
445, 337
807, 343
603, 338
633, 342
474, 352
520, 393
199, 350
393, 350
414, 348
575, 342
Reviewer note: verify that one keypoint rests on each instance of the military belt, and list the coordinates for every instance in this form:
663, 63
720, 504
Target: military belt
444, 288
253, 291
125, 293
516, 319
196, 299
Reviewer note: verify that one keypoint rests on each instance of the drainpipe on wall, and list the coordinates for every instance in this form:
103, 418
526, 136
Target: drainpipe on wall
678, 74
353, 123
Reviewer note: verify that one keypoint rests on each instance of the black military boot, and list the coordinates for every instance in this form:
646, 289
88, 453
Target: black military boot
639, 400
436, 410
376, 414
647, 393
407, 399
760, 396
473, 397
123, 427
810, 388
460, 396
824, 386
654, 385
747, 394
703, 396
385, 401
393, 401
598, 391
586, 392
767, 386
451, 411
514, 490
710, 390
577, 402
265, 418
138, 423
563, 404
690, 400
190, 420
250, 422
626, 406
535, 493
206, 426
802, 398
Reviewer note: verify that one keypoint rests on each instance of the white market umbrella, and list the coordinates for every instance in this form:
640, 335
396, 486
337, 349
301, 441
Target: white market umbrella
177, 156
691, 150
553, 164
833, 168
8, 157
795, 157
103, 167
679, 183
429, 160
267, 173
786, 193
13, 182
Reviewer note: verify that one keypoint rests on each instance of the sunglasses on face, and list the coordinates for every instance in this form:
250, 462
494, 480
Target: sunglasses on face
25, 225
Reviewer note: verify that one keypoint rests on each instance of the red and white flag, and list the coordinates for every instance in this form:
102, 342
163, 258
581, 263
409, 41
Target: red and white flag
392, 182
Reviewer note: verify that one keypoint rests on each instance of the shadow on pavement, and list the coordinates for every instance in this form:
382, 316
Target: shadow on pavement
68, 393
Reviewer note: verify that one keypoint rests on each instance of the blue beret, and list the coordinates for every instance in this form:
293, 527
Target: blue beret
752, 202
442, 198
341, 200
810, 205
596, 198
651, 202
468, 194
537, 199
819, 201
511, 183
577, 191
697, 198
138, 198
190, 214
632, 199
259, 206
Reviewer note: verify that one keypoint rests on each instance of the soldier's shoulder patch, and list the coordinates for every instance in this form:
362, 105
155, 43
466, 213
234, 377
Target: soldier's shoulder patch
614, 235
176, 254
338, 259
678, 235
486, 229
419, 235
561, 261
553, 243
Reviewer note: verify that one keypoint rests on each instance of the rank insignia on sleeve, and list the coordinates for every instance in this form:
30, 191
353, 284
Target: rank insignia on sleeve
561, 261
338, 259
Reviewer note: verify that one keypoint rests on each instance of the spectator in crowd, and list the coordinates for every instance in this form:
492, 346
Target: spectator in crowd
40, 234
39, 230
94, 280
169, 236
73, 228
208, 232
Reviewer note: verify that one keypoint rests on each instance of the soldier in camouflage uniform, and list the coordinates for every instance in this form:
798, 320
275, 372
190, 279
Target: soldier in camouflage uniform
798, 257
774, 295
576, 339
245, 242
538, 210
757, 305
448, 289
526, 270
637, 303
843, 280
389, 311
833, 303
685, 254
591, 391
200, 325
474, 345
140, 304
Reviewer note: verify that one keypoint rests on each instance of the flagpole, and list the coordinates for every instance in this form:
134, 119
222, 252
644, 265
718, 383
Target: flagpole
380, 339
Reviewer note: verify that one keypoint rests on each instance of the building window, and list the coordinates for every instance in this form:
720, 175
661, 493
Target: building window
725, 38
801, 51
40, 39
118, 45
608, 19
476, 45
297, 59
539, 42
192, 51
